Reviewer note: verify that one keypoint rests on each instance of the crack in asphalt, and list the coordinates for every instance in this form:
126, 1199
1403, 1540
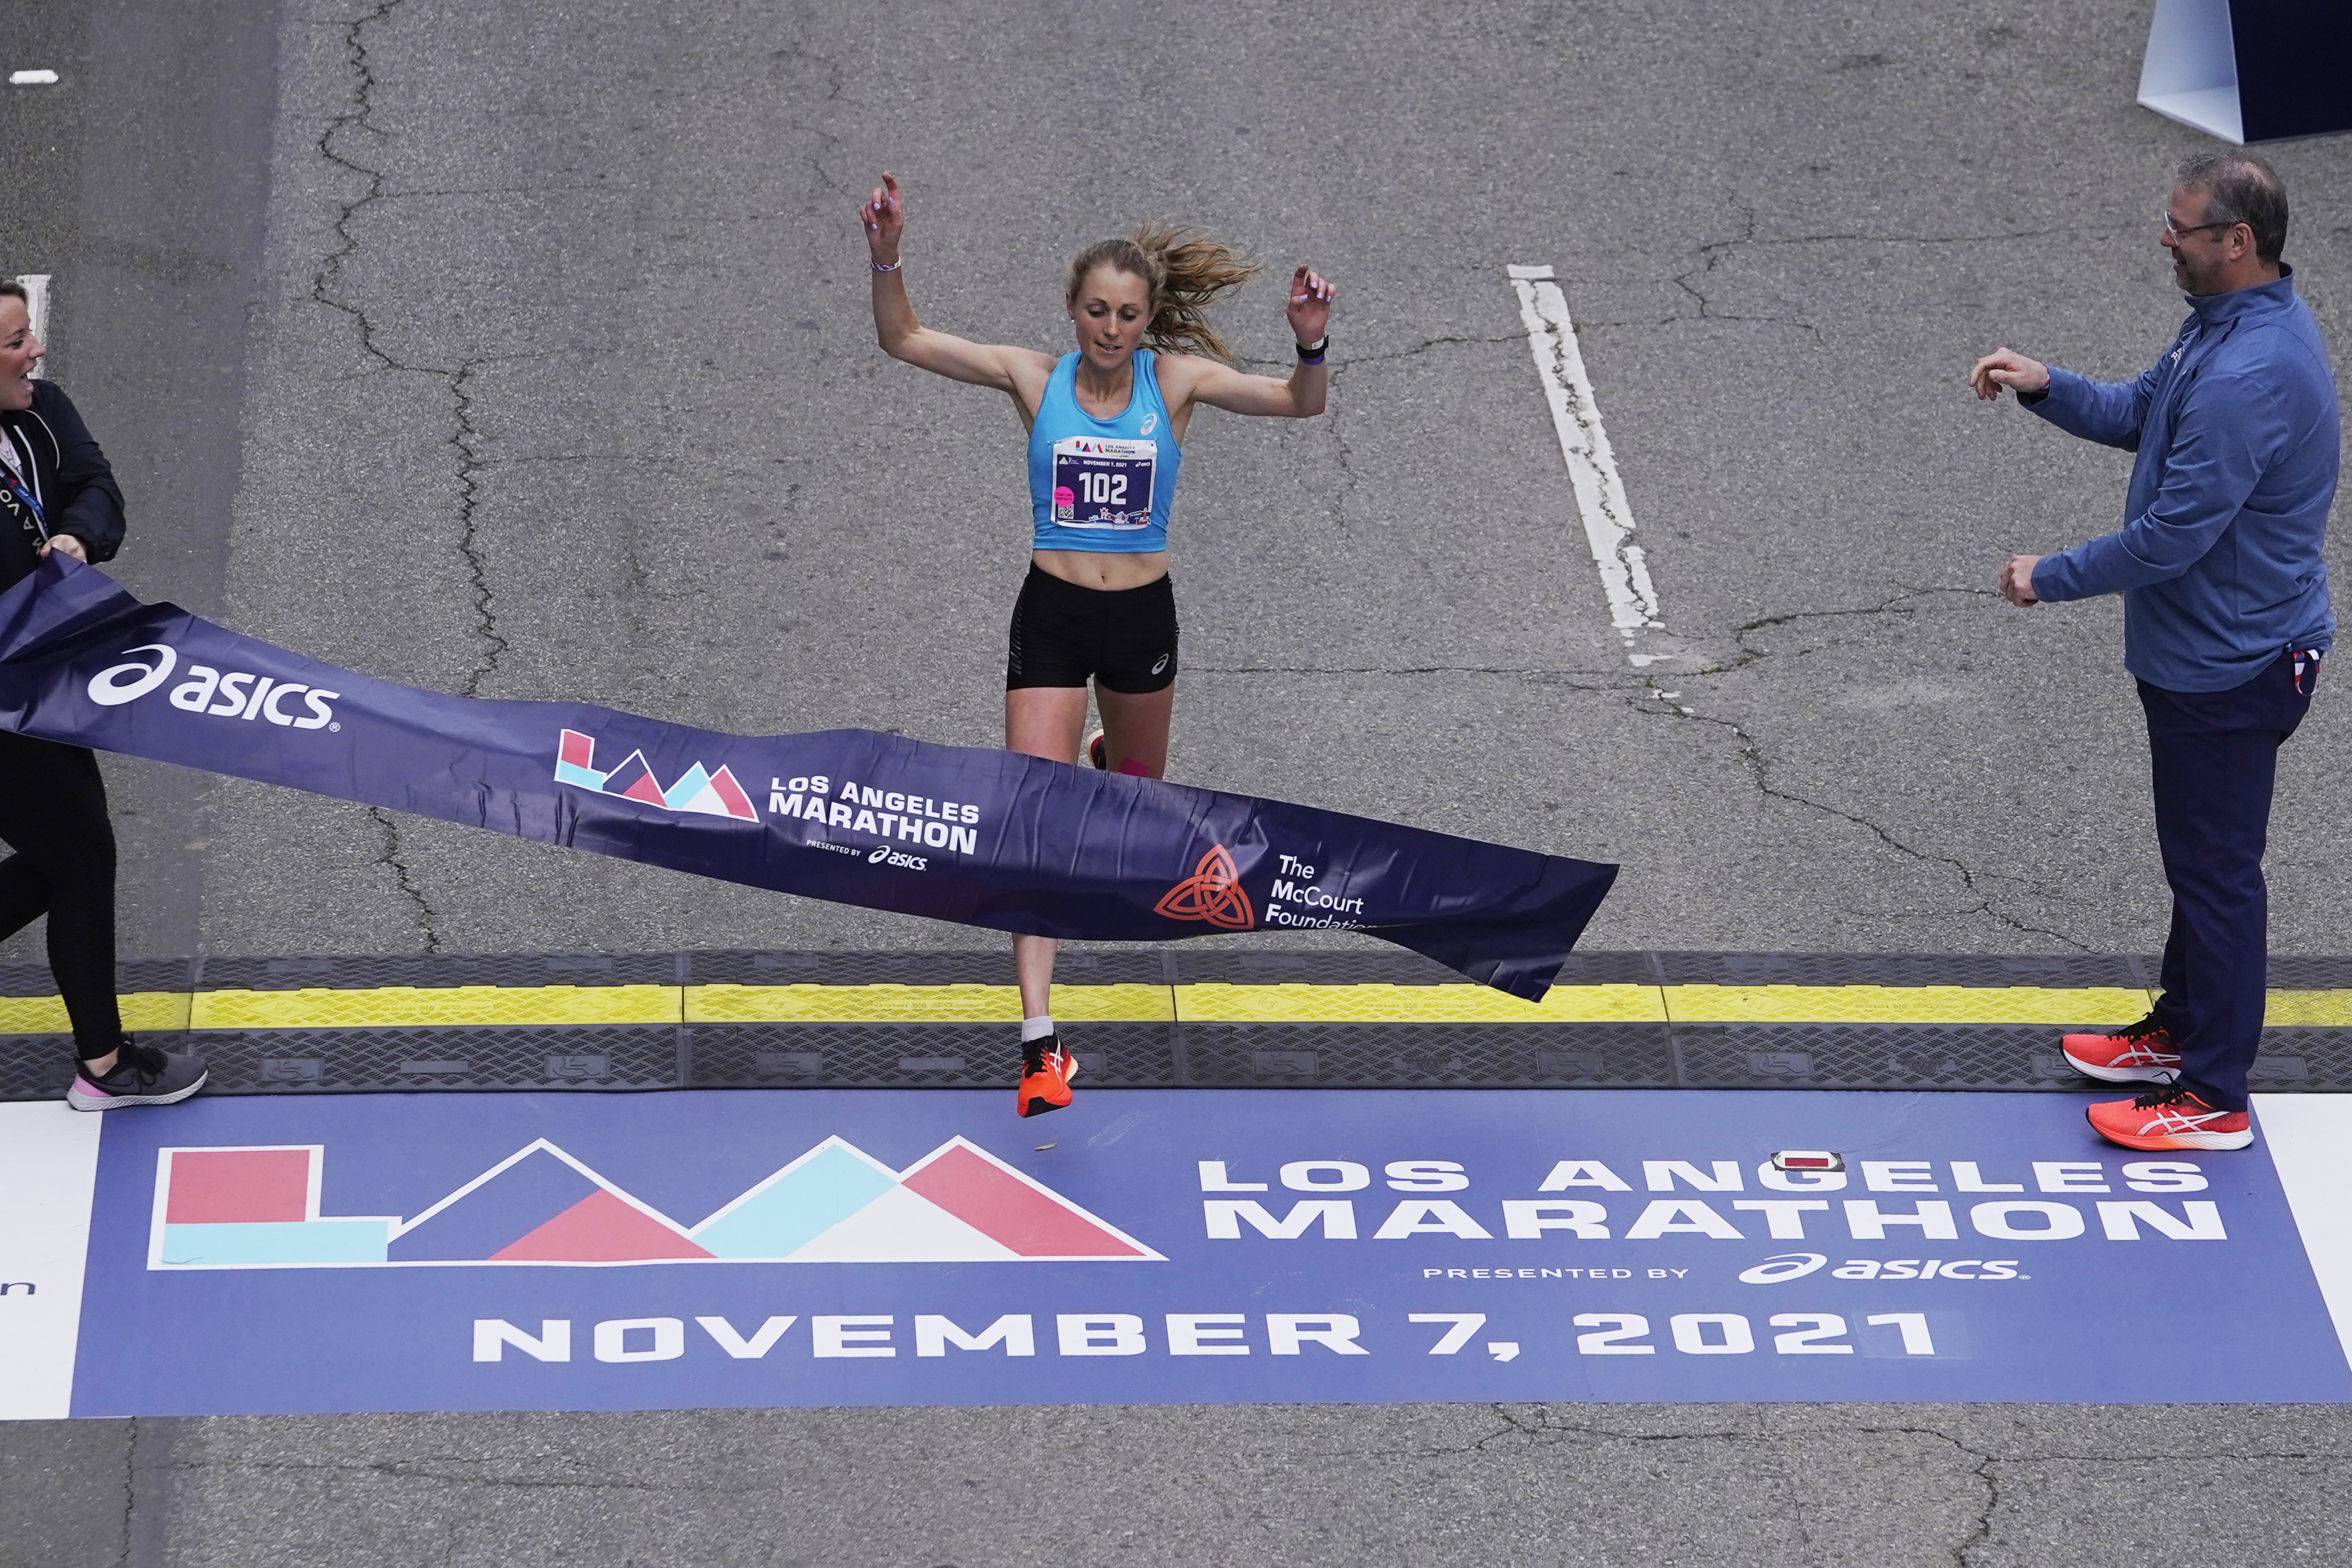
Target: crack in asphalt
1349, 361
1642, 694
412, 194
469, 490
1711, 254
356, 121
1980, 1465
359, 118
1336, 408
1983, 1463
465, 437
417, 1470
402, 878
130, 1493
1751, 751
1748, 656
827, 142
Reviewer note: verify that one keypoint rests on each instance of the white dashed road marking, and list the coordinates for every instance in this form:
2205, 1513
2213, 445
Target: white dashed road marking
1591, 465
33, 79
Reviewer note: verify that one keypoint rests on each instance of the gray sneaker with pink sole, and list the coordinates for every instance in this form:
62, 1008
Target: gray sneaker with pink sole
142, 1075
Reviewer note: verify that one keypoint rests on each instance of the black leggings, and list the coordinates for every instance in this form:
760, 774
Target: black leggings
53, 814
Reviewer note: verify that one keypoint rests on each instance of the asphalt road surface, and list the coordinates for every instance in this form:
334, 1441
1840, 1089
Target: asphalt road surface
525, 352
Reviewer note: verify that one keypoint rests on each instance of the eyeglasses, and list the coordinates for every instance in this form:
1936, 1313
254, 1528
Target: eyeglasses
2177, 232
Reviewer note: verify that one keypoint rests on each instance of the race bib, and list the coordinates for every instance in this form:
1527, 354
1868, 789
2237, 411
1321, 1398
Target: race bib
1103, 484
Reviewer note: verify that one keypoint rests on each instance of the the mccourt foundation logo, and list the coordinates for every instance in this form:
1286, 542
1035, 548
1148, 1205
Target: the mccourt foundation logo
258, 1207
1212, 894
698, 790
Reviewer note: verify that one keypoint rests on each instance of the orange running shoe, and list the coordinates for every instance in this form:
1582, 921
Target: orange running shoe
2169, 1119
1046, 1070
2142, 1053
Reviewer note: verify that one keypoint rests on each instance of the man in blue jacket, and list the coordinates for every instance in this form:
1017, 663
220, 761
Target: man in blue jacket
2225, 620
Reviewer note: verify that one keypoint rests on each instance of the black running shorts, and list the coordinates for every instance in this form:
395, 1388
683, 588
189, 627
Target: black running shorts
1123, 638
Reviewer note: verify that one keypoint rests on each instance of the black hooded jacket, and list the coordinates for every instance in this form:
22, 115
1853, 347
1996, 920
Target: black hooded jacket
68, 477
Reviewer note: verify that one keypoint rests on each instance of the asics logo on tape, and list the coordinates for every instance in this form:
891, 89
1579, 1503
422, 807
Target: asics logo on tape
232, 695
120, 683
885, 856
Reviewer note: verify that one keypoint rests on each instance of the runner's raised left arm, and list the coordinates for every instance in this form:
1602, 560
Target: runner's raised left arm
1303, 395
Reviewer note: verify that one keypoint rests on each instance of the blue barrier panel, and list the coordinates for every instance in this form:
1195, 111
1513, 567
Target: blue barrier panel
915, 1247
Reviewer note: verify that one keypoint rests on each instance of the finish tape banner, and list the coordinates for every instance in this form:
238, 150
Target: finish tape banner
916, 1246
981, 837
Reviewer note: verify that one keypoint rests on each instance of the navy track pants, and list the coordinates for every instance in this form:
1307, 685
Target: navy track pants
2214, 760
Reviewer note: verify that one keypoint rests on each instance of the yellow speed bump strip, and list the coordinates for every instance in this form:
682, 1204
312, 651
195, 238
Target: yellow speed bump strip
449, 1006
1381, 1004
2311, 1009
916, 1003
163, 1010
416, 1007
1904, 1005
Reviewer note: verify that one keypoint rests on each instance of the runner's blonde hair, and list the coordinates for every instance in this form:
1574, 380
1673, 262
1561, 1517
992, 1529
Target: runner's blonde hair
1184, 273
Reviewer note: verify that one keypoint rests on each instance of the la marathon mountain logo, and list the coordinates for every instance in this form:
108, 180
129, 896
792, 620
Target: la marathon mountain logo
1212, 894
258, 1207
698, 790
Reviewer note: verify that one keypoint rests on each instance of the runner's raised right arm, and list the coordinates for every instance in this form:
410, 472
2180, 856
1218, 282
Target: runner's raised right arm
1020, 372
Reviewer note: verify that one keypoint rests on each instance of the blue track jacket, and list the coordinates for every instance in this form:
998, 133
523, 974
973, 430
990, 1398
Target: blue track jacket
2238, 435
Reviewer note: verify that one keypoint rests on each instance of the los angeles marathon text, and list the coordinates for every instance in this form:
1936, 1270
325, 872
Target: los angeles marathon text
860, 808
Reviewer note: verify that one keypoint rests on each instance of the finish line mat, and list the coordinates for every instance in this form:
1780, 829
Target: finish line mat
1193, 1015
851, 1248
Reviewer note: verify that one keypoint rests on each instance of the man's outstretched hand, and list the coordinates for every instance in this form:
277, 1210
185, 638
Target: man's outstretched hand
2007, 367
2017, 580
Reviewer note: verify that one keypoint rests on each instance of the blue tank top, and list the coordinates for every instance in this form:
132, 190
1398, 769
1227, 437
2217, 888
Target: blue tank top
1106, 485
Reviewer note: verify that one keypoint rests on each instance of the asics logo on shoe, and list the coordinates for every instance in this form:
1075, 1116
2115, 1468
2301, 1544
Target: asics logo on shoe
2171, 1119
2181, 1121
2142, 1053
1046, 1070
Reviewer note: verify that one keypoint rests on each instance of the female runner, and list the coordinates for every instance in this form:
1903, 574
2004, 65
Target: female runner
1104, 427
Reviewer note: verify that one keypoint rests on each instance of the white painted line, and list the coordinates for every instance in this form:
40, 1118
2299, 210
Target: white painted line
32, 79
2310, 1139
1591, 465
36, 308
49, 1171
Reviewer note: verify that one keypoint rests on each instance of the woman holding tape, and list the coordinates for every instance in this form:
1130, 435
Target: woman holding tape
57, 494
1106, 423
